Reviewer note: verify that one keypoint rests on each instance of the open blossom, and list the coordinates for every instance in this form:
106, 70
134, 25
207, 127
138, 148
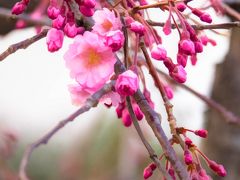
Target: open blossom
105, 21
90, 61
54, 39
127, 83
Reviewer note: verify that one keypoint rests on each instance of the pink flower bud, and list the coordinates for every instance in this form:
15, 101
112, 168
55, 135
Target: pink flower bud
188, 141
88, 12
179, 74
193, 59
172, 173
89, 3
182, 59
147, 95
218, 168
58, 23
53, 12
167, 28
126, 119
168, 91
188, 157
198, 47
127, 83
205, 17
18, 8
152, 166
137, 112
158, 52
137, 27
70, 30
147, 173
181, 7
115, 40
54, 39
120, 109
187, 47
201, 132
143, 2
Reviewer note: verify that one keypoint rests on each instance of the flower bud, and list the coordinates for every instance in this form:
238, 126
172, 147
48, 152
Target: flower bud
201, 132
187, 47
18, 8
182, 59
88, 12
169, 92
58, 23
137, 112
126, 119
147, 173
218, 168
70, 30
89, 3
158, 52
54, 39
187, 157
137, 27
115, 40
205, 17
179, 74
127, 83
181, 7
53, 12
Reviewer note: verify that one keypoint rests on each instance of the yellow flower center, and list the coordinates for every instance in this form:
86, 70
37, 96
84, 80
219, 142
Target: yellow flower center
93, 58
107, 25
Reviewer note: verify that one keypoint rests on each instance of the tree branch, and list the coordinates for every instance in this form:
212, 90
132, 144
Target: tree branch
149, 148
229, 25
90, 102
229, 116
4, 12
23, 44
154, 121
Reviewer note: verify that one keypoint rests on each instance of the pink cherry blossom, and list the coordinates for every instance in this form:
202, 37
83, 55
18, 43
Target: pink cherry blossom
59, 22
54, 39
137, 27
90, 61
127, 83
105, 21
179, 74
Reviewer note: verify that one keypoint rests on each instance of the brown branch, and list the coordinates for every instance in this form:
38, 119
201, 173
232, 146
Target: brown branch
201, 27
149, 148
90, 102
167, 104
4, 12
154, 121
23, 44
228, 115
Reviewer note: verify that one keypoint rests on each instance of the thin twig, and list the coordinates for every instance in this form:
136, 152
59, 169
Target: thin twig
154, 121
201, 27
4, 12
167, 104
229, 116
23, 44
90, 102
149, 148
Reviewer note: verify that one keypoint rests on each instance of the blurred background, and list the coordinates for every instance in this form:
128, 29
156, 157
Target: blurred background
34, 97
